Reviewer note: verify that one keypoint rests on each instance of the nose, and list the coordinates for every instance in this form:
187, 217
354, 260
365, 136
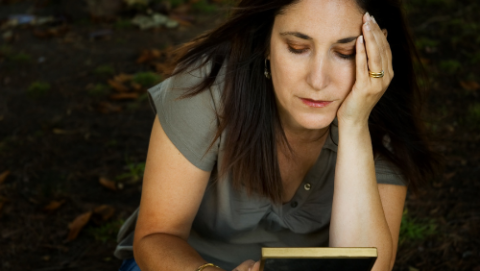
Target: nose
318, 76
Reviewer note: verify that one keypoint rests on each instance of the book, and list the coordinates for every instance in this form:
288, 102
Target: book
317, 259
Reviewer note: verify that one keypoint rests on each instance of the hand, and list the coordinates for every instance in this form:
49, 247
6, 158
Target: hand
248, 265
374, 54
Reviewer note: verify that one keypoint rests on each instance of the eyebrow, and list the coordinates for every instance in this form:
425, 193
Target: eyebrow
306, 37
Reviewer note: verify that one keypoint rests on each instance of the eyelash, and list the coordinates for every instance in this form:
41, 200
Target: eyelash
300, 51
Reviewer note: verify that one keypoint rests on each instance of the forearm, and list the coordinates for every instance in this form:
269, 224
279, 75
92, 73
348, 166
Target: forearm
167, 252
357, 218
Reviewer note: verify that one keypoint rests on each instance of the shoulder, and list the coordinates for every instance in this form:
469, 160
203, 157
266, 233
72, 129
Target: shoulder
190, 122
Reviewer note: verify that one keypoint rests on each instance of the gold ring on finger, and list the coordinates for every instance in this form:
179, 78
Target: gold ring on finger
376, 74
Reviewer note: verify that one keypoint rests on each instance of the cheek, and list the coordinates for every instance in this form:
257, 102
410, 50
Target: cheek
344, 78
285, 72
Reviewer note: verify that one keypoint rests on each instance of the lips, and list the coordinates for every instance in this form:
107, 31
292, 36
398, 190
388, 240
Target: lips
315, 103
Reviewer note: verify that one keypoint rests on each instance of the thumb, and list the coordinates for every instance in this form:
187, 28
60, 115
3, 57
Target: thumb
255, 267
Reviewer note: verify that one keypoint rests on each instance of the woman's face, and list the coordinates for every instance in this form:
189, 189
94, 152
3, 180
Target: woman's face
312, 60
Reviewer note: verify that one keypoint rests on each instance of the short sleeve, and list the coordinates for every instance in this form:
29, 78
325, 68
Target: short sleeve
190, 123
387, 172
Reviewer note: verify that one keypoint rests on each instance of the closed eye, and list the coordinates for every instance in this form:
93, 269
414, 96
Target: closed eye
297, 51
351, 56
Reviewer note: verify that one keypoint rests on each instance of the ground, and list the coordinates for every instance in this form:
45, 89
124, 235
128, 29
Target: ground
73, 142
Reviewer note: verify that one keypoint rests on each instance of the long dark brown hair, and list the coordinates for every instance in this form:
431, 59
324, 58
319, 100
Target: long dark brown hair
249, 112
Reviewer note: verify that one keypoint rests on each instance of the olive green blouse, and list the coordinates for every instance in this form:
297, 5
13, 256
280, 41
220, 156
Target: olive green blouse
231, 227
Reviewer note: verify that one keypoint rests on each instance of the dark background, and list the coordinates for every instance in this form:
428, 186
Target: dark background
75, 124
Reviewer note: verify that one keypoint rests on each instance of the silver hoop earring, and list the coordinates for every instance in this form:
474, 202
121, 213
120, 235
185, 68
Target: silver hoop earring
266, 72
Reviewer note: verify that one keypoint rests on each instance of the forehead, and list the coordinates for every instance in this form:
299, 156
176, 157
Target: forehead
316, 18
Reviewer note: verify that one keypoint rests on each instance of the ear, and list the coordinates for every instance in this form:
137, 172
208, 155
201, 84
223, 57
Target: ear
385, 32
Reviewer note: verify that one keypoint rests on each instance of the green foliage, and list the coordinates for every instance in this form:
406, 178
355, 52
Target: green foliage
474, 114
413, 229
20, 58
106, 232
99, 90
5, 50
146, 79
10, 55
423, 42
450, 66
104, 70
204, 7
134, 174
475, 59
123, 24
176, 3
38, 89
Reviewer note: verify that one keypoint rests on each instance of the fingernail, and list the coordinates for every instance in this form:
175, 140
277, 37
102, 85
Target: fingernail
368, 16
367, 25
373, 19
361, 38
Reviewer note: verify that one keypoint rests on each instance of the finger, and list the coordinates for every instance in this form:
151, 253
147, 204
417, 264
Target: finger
381, 38
361, 61
245, 265
374, 57
256, 266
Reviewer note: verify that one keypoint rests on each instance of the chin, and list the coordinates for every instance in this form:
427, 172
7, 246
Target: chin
315, 121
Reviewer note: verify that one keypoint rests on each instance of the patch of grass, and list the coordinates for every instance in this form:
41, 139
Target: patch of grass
112, 143
176, 3
475, 58
474, 114
99, 90
138, 102
450, 66
134, 174
146, 79
106, 232
20, 58
123, 24
423, 42
10, 55
104, 70
38, 89
5, 50
204, 7
412, 229
7, 144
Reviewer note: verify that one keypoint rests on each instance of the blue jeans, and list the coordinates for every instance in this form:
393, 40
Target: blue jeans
129, 265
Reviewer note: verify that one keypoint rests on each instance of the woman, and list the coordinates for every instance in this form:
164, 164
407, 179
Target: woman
283, 127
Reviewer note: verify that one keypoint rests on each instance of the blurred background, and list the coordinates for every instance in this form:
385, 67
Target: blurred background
75, 124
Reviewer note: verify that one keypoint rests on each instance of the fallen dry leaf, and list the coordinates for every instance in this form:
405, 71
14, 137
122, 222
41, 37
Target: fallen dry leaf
53, 205
104, 212
106, 107
136, 86
77, 225
107, 183
148, 55
62, 132
51, 32
122, 78
117, 86
4, 175
161, 68
448, 176
470, 85
124, 96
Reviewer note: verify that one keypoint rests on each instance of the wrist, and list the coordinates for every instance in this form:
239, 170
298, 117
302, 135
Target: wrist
347, 127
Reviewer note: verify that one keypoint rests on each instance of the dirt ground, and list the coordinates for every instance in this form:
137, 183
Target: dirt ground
71, 145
